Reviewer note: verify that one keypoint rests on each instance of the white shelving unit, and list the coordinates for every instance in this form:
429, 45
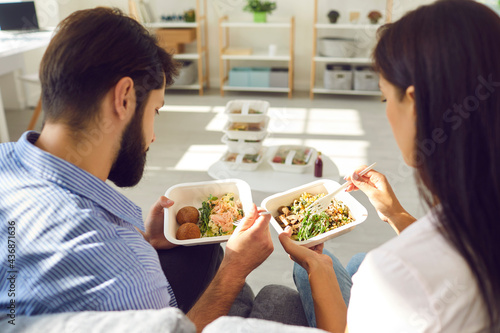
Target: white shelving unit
201, 54
317, 87
257, 55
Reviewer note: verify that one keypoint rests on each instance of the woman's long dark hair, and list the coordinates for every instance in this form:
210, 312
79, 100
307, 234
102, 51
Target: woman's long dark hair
450, 52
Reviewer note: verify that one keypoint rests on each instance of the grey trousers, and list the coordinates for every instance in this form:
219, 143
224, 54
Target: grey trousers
190, 270
273, 302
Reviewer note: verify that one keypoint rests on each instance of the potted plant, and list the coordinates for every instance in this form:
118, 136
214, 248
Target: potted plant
260, 9
374, 16
333, 16
190, 16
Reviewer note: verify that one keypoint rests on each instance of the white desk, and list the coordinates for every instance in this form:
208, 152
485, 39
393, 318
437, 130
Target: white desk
12, 47
265, 179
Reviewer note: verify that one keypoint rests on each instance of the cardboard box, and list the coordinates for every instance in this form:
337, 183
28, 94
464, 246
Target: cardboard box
172, 48
176, 36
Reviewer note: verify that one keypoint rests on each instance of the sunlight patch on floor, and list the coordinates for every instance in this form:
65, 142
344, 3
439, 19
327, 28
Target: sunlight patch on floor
200, 157
186, 108
346, 154
334, 121
325, 123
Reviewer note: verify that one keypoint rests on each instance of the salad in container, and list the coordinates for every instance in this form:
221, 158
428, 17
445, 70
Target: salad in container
244, 162
246, 130
294, 159
289, 209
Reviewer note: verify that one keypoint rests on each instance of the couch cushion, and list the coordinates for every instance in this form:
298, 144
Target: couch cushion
246, 325
157, 321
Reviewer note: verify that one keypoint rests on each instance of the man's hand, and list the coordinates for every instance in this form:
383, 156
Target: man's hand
250, 244
155, 222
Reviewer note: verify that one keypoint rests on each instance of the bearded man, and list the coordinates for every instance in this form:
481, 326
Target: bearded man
70, 242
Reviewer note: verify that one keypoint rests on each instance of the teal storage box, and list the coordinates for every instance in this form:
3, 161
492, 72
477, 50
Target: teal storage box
259, 77
239, 77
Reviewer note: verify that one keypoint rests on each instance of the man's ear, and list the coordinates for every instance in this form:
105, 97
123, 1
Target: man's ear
124, 97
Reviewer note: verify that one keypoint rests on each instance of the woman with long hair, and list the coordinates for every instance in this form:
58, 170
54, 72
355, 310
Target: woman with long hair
439, 68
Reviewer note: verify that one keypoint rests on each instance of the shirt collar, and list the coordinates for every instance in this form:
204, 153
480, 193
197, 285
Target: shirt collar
69, 176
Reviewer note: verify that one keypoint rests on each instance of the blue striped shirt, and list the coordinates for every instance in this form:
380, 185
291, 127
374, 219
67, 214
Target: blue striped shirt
67, 240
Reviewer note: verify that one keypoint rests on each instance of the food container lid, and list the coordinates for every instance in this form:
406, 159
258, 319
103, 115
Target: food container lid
293, 155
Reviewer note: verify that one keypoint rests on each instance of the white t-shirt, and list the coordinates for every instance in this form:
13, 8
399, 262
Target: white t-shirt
416, 282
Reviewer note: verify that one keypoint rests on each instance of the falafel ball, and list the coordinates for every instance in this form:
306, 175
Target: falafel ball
188, 231
188, 214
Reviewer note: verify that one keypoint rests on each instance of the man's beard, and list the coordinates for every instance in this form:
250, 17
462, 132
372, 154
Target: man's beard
128, 167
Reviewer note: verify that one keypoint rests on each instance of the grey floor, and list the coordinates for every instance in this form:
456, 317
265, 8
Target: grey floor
349, 130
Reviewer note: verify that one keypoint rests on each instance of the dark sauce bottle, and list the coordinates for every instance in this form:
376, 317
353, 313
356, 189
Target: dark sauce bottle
318, 166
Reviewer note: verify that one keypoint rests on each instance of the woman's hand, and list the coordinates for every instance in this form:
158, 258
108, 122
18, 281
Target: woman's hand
382, 197
305, 257
325, 289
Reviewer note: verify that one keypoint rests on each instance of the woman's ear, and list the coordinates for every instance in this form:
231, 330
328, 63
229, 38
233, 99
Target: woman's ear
124, 97
409, 100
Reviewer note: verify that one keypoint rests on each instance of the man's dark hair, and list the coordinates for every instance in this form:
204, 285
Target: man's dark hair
90, 52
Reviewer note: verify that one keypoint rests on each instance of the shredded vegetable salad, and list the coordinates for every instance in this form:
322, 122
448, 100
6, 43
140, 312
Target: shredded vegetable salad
218, 214
305, 225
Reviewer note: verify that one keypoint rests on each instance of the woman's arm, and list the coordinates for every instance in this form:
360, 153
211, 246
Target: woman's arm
329, 306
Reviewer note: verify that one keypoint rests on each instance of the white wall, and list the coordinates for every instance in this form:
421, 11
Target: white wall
48, 16
51, 11
303, 10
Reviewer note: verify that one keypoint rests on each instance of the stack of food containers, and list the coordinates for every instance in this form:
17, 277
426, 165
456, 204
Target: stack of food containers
245, 132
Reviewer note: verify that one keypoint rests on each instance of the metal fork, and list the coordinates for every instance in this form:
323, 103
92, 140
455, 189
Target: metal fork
322, 204
237, 222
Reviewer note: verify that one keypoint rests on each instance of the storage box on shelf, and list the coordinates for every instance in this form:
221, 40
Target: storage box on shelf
365, 79
258, 77
176, 35
239, 76
231, 78
340, 49
187, 74
337, 47
338, 77
174, 39
173, 36
278, 77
